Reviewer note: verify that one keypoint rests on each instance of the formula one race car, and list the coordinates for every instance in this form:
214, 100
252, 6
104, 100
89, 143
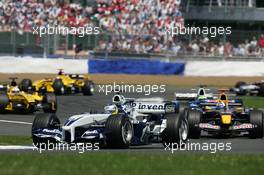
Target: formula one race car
16, 101
241, 88
61, 85
125, 122
224, 117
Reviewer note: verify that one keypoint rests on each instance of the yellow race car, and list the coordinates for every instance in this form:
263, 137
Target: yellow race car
61, 85
13, 100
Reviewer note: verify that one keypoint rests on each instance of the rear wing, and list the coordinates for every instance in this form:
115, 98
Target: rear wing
229, 94
185, 96
76, 76
201, 92
153, 100
231, 103
190, 96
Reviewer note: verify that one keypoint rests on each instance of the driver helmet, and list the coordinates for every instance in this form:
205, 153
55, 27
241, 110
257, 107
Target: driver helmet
118, 99
201, 97
60, 72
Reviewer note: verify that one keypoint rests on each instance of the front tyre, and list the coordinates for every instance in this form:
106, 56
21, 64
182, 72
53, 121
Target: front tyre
194, 118
58, 87
119, 131
261, 90
176, 131
241, 91
26, 85
44, 121
88, 88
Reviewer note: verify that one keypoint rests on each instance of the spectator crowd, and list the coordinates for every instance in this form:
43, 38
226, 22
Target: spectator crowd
134, 25
23, 15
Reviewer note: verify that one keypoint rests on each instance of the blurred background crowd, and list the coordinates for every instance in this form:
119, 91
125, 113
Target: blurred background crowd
135, 26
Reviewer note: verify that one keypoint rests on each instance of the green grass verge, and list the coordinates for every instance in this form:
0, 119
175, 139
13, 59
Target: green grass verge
15, 140
128, 163
254, 102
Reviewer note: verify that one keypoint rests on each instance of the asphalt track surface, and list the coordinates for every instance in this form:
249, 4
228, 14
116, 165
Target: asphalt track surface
20, 125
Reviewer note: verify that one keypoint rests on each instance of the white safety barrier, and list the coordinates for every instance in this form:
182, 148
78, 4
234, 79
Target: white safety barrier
41, 65
9, 64
224, 68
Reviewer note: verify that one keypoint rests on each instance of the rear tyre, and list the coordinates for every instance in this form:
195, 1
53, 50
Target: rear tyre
194, 118
238, 85
176, 132
25, 85
183, 106
49, 103
88, 88
58, 86
4, 101
256, 118
44, 121
261, 90
119, 131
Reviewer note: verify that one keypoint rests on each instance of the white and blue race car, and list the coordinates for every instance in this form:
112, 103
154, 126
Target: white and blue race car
125, 122
254, 89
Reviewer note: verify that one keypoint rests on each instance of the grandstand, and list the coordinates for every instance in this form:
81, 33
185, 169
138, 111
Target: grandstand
244, 16
133, 28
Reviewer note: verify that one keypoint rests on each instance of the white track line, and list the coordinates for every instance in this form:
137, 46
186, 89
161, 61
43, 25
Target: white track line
16, 147
16, 122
